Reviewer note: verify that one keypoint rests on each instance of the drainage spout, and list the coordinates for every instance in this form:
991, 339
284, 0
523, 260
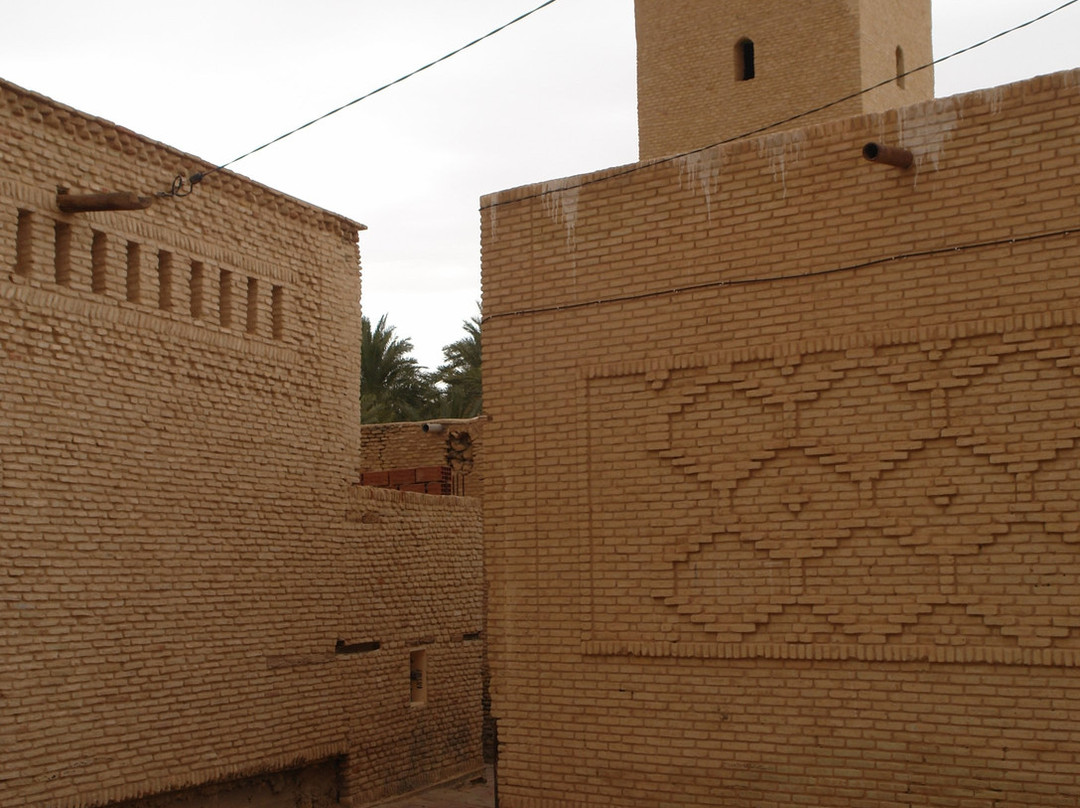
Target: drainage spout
889, 155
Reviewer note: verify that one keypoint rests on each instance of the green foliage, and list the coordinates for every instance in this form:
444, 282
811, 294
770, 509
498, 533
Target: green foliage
459, 375
393, 386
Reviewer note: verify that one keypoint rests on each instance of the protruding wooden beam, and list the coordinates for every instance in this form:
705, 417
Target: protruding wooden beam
86, 203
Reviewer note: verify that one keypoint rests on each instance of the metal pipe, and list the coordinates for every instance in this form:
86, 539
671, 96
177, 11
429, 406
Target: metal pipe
890, 155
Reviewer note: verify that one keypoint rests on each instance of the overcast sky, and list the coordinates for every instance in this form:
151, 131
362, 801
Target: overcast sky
549, 97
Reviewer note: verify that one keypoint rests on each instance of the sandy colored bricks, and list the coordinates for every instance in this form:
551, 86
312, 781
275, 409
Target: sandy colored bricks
694, 88
193, 590
808, 531
447, 445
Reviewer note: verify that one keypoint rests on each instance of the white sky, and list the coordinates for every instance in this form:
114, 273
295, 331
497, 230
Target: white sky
549, 97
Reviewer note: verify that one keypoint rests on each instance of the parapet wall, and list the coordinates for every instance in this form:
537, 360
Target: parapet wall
808, 533
192, 589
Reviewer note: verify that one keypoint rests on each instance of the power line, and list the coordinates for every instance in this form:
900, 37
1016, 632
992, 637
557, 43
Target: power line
790, 119
815, 273
183, 187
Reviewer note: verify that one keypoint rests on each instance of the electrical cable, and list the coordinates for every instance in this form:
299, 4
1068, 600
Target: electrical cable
182, 186
798, 116
816, 273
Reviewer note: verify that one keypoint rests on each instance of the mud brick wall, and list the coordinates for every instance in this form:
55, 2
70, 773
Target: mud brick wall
422, 480
396, 447
783, 468
390, 453
192, 591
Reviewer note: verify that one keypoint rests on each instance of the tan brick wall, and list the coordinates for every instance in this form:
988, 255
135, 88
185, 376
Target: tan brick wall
806, 55
458, 445
782, 468
182, 546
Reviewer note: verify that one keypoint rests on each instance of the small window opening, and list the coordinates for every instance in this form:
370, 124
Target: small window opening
744, 60
198, 274
99, 262
901, 71
418, 685
133, 272
62, 253
225, 299
165, 280
252, 305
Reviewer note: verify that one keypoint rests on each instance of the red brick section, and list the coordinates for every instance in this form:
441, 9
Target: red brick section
423, 480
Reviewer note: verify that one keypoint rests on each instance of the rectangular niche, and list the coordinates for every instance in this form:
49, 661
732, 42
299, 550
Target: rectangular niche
418, 681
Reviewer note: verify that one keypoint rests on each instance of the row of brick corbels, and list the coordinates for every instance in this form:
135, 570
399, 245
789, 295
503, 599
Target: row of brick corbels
422, 480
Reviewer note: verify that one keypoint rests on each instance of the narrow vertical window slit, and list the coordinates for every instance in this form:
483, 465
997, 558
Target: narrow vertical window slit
745, 68
225, 299
198, 274
99, 259
165, 280
62, 253
134, 269
252, 305
418, 684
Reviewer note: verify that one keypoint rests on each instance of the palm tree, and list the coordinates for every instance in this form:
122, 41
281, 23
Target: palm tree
393, 387
460, 374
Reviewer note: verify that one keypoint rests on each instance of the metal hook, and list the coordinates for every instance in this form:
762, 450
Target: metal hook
182, 186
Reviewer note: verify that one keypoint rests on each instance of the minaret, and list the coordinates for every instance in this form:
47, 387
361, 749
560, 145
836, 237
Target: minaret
710, 70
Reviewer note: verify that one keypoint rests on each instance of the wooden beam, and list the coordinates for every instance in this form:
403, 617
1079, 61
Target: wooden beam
86, 203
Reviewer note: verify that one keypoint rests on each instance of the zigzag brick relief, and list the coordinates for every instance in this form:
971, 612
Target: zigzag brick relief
918, 492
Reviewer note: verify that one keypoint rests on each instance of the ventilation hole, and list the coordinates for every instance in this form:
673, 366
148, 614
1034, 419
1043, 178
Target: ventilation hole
252, 305
198, 275
165, 280
901, 71
62, 253
134, 272
342, 647
99, 261
225, 299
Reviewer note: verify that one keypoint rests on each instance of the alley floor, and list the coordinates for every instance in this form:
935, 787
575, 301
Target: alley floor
466, 794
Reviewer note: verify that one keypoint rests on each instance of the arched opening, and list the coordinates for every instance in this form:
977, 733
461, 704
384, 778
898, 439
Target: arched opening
744, 59
901, 71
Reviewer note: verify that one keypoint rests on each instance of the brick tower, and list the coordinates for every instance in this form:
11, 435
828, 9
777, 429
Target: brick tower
709, 70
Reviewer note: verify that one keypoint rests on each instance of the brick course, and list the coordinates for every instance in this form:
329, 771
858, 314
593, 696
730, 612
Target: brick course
806, 533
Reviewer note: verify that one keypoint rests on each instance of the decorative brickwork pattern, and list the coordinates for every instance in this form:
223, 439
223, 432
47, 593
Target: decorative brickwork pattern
781, 468
193, 592
875, 495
